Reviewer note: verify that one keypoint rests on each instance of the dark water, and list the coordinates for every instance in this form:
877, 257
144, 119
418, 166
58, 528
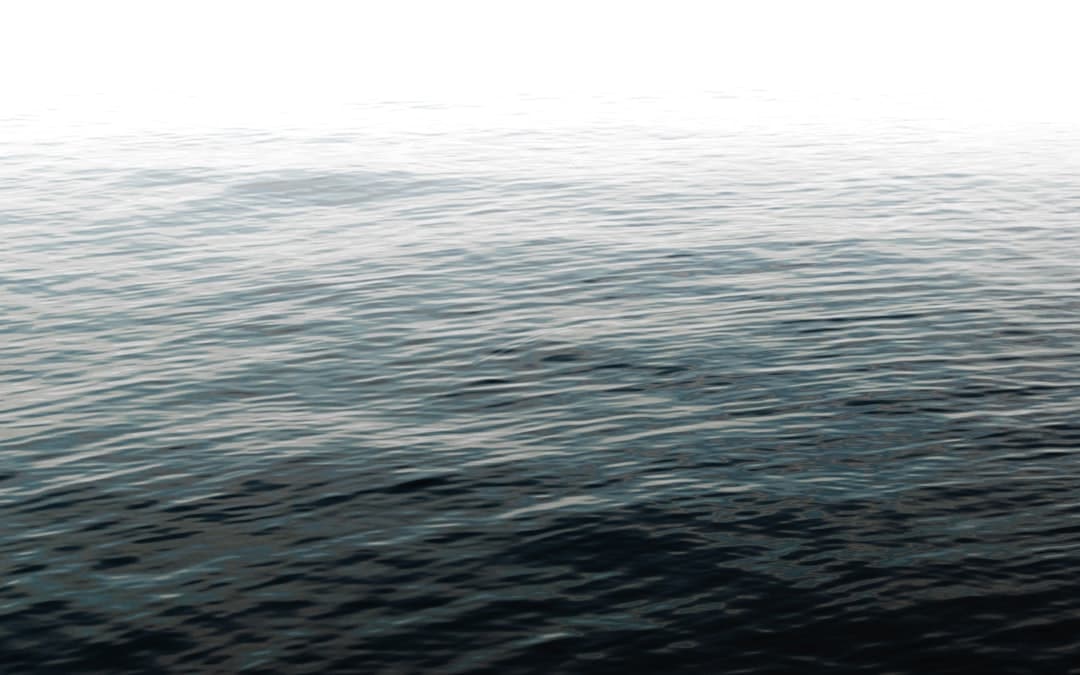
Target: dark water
598, 398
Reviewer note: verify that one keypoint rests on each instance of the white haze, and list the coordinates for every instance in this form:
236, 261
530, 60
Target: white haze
134, 64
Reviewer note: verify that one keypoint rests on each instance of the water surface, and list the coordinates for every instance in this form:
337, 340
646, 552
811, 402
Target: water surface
714, 388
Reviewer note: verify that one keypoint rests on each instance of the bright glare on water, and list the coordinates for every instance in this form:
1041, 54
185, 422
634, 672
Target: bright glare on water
476, 338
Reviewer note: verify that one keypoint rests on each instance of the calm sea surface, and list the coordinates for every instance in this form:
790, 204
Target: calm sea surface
424, 389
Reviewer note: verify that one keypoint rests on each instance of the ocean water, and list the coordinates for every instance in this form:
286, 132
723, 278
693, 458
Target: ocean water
694, 387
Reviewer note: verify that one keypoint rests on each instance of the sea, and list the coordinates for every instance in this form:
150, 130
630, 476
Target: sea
711, 384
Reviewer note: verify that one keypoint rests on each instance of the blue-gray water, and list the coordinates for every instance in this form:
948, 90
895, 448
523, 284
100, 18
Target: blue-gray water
603, 397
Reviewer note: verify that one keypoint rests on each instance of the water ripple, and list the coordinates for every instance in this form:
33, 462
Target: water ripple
525, 403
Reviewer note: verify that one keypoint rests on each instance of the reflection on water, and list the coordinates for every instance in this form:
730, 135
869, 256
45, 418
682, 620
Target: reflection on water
600, 397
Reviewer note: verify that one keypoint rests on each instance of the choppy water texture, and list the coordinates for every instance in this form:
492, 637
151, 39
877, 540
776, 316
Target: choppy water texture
598, 397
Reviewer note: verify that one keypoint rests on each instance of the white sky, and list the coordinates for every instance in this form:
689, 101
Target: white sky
197, 57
